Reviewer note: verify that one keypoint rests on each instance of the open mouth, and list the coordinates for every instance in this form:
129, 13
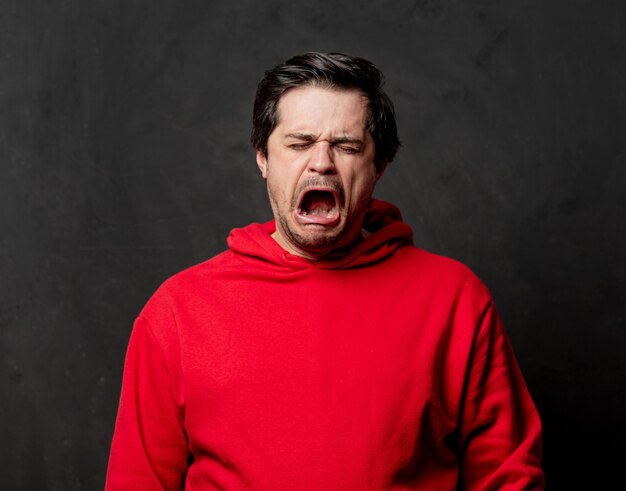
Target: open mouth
318, 206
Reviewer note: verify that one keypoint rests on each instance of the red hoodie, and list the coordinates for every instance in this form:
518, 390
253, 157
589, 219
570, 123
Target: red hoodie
382, 368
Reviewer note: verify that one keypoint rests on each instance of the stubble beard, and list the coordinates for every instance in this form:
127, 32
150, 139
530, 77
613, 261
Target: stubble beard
315, 240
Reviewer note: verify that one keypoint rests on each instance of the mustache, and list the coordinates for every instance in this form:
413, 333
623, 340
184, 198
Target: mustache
317, 182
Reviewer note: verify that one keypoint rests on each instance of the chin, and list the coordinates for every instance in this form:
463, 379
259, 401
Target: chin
315, 240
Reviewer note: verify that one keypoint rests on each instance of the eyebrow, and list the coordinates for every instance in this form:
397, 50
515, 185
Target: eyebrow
301, 136
311, 138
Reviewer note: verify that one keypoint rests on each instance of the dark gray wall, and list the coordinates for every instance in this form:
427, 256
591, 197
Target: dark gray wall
124, 158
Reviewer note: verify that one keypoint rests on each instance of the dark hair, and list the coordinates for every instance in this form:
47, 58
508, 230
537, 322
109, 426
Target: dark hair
329, 70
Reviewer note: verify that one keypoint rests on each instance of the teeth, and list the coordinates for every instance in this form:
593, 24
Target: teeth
319, 212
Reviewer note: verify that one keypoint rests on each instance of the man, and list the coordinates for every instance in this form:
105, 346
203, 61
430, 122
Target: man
323, 351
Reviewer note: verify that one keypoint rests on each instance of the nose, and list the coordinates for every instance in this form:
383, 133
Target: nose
321, 159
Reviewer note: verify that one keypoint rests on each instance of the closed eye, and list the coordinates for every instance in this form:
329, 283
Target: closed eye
300, 146
349, 149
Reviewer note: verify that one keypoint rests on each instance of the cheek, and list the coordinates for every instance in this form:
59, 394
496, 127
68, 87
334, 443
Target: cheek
363, 185
278, 186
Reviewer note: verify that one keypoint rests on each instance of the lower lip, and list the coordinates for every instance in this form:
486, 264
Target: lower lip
317, 220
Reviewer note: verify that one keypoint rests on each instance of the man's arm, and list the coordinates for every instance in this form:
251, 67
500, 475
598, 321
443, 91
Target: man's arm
500, 429
149, 449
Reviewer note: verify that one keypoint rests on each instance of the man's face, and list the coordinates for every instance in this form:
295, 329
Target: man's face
319, 169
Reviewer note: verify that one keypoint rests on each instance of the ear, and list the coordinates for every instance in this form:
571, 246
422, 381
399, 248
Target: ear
261, 161
381, 171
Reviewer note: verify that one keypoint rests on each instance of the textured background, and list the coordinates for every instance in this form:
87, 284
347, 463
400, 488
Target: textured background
124, 158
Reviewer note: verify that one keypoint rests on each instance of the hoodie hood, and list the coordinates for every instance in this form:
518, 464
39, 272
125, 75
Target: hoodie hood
383, 223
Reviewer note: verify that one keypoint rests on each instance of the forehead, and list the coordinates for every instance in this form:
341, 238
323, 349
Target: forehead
322, 110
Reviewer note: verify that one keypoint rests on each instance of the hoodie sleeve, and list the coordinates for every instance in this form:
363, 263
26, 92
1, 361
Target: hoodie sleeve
149, 450
500, 431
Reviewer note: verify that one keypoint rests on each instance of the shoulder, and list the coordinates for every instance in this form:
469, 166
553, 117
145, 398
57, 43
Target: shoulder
198, 274
185, 288
442, 274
